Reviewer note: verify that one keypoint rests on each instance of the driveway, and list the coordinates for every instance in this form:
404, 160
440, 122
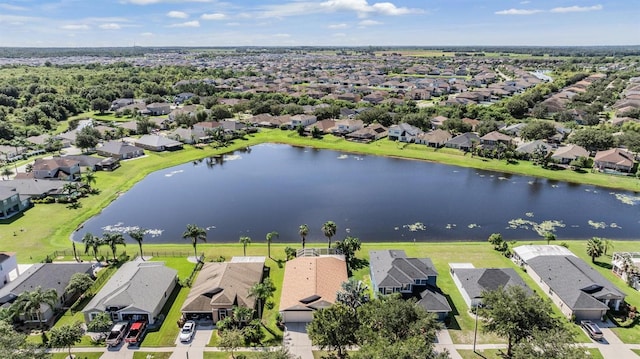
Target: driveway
194, 348
297, 340
612, 347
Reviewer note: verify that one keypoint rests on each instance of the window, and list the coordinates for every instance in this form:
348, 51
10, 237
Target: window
222, 313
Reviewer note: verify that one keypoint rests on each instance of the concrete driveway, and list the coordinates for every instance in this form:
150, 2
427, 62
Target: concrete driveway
194, 348
297, 341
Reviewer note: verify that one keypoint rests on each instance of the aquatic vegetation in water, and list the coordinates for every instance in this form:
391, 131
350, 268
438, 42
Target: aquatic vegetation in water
529, 214
121, 228
627, 199
418, 226
450, 226
540, 228
473, 225
597, 225
343, 157
232, 157
614, 225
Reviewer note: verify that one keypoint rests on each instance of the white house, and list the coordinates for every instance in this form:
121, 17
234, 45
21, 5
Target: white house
302, 120
8, 264
626, 265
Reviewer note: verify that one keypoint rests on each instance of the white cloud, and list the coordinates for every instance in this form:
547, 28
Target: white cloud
194, 23
369, 23
576, 9
282, 35
10, 7
518, 12
339, 34
110, 26
178, 14
338, 26
75, 27
525, 2
233, 24
361, 7
214, 16
150, 2
147, 34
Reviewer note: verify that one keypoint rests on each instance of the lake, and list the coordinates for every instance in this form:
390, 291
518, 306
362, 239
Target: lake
279, 187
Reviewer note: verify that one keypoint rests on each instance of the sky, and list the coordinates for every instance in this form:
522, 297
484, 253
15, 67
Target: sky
100, 23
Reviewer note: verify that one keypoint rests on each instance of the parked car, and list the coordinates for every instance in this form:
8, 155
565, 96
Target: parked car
135, 332
592, 329
117, 334
187, 331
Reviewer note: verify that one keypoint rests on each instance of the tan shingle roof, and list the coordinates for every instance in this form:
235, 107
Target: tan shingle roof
306, 278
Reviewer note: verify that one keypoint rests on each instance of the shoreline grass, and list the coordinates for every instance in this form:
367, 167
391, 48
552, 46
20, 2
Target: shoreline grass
47, 227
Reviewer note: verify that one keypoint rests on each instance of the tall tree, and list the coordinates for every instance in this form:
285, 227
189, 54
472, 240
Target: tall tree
89, 178
245, 240
137, 234
91, 242
14, 345
79, 283
557, 343
270, 237
608, 244
549, 236
334, 328
348, 247
595, 248
329, 229
31, 302
354, 293
262, 291
113, 240
66, 336
513, 313
303, 231
196, 234
231, 340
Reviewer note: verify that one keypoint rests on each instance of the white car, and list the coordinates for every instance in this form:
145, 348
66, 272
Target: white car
187, 331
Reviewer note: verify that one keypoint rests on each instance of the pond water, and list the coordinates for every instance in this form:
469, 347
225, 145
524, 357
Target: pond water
279, 187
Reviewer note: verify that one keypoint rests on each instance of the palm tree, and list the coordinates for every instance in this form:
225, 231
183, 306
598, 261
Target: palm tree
595, 248
303, 230
93, 242
137, 234
270, 236
31, 302
262, 292
329, 229
89, 178
113, 240
196, 234
245, 242
549, 236
608, 244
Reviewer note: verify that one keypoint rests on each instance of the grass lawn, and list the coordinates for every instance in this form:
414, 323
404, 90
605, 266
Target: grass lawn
495, 354
225, 355
637, 351
154, 355
88, 355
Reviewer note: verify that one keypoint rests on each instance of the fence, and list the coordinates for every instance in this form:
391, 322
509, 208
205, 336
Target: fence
108, 254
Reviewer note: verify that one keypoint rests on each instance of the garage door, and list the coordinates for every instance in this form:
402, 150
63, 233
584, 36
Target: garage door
291, 316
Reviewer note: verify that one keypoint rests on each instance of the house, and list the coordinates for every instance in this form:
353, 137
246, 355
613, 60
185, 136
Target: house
615, 159
201, 129
325, 126
220, 287
8, 265
403, 132
372, 132
46, 276
473, 282
59, 168
566, 154
574, 286
344, 127
438, 121
159, 108
494, 138
182, 97
302, 120
529, 148
31, 187
436, 138
158, 143
393, 272
137, 291
119, 150
310, 283
10, 202
464, 142
120, 103
626, 265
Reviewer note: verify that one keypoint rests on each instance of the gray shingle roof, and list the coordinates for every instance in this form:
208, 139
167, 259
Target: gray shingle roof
140, 285
577, 283
477, 280
434, 302
45, 275
392, 268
